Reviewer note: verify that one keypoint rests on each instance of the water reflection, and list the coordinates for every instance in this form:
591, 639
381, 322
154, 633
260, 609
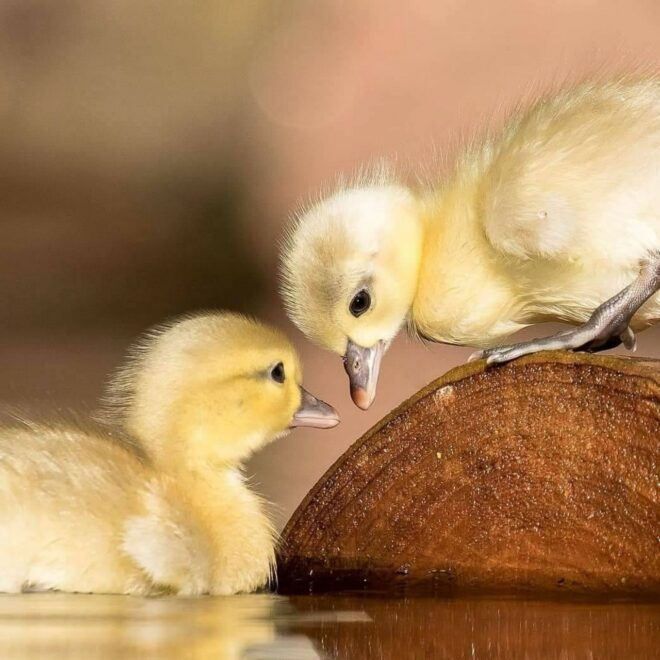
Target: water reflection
266, 626
483, 628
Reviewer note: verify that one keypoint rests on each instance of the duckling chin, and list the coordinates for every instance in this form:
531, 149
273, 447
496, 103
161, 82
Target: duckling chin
153, 499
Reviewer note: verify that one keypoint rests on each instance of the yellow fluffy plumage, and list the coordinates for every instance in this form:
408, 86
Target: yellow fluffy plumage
153, 499
544, 221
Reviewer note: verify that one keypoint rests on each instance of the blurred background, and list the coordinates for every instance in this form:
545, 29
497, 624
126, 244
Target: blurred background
151, 152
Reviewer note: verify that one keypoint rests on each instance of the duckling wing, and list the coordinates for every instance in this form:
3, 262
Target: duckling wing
577, 178
166, 543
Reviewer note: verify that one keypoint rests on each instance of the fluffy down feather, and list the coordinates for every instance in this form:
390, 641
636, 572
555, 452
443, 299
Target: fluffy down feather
153, 500
543, 220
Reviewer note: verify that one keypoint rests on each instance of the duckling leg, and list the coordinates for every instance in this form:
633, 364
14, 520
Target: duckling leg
607, 327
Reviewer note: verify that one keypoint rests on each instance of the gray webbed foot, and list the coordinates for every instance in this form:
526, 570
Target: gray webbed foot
581, 338
607, 327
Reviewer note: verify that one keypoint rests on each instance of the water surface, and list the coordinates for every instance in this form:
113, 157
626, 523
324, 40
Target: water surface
266, 626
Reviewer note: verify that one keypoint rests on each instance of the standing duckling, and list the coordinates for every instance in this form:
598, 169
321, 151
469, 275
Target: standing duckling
555, 219
162, 506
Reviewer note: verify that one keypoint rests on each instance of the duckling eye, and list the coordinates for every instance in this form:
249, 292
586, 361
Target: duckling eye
277, 373
360, 303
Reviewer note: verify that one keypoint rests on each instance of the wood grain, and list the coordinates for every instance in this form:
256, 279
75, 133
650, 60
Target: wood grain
537, 476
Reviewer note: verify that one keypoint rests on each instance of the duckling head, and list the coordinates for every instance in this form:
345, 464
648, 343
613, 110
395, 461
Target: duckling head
350, 265
212, 389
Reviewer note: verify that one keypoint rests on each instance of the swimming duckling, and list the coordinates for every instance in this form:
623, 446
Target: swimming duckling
162, 505
555, 219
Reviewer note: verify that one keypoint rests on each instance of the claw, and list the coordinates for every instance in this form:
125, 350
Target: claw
499, 357
477, 355
628, 339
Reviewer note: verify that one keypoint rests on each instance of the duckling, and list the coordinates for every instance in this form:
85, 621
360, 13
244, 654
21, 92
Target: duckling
556, 218
157, 503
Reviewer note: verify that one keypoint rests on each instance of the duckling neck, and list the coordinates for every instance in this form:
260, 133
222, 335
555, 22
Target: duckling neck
221, 499
210, 484
463, 296
203, 478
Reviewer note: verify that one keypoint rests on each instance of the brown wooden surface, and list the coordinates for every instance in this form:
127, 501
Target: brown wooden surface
537, 476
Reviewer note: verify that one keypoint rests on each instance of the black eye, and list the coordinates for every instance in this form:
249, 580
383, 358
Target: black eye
360, 303
277, 373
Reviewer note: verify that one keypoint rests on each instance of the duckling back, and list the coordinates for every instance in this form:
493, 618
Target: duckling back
64, 497
547, 219
84, 512
577, 176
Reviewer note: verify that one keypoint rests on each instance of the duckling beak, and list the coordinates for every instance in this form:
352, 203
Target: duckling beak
362, 366
314, 412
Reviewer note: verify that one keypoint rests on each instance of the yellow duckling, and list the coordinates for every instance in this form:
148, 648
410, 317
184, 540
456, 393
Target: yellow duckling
557, 218
161, 506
